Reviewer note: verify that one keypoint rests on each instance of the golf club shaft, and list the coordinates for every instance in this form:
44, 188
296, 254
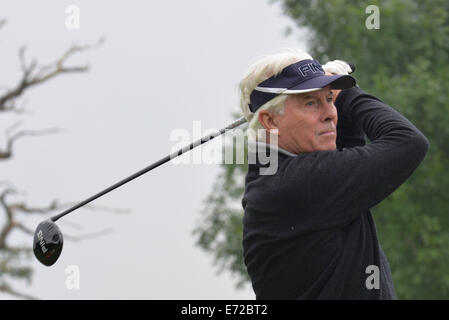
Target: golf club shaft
152, 166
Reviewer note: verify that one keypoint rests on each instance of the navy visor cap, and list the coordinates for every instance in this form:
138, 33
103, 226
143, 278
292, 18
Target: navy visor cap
299, 77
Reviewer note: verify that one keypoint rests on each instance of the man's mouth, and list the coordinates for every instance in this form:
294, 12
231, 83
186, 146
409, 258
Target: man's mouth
327, 133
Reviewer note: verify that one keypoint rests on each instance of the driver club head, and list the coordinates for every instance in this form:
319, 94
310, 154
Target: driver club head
47, 243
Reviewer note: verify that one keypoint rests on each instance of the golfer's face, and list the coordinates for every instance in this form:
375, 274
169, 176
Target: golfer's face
309, 122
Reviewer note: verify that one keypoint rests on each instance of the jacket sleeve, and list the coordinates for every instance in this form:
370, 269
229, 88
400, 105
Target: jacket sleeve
348, 133
333, 187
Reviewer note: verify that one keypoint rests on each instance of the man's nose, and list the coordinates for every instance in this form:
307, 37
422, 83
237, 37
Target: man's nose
329, 111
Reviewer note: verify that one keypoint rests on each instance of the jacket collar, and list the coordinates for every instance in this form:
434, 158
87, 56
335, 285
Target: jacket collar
262, 145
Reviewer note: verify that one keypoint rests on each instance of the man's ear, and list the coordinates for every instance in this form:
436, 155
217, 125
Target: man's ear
268, 120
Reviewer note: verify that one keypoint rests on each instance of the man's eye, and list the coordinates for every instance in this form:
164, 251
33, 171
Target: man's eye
310, 103
330, 99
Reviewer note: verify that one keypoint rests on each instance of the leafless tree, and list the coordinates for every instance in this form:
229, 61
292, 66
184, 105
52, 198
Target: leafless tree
14, 259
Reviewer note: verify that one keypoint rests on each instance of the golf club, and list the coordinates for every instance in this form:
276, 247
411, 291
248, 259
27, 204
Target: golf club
48, 239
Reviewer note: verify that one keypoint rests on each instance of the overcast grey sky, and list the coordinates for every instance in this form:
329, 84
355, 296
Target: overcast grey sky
164, 65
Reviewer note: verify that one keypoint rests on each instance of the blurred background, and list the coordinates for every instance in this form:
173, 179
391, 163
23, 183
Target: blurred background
91, 92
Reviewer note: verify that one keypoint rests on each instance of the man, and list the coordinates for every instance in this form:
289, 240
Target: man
308, 232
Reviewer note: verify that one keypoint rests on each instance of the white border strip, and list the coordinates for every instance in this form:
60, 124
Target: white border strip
284, 90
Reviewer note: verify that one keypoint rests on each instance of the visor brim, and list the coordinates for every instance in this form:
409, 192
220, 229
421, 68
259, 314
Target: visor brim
318, 83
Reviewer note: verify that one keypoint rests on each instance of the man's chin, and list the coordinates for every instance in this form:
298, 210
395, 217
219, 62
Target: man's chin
328, 146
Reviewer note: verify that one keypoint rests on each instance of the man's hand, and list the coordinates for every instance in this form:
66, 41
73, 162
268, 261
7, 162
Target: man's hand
339, 67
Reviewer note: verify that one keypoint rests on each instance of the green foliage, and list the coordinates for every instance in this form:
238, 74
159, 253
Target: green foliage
406, 64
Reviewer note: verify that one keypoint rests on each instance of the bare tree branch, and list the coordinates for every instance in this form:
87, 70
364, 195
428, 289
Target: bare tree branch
61, 206
69, 237
23, 228
32, 74
42, 210
10, 105
6, 154
12, 128
8, 226
11, 210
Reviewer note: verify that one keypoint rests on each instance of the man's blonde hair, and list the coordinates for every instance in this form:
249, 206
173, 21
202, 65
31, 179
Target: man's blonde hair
262, 69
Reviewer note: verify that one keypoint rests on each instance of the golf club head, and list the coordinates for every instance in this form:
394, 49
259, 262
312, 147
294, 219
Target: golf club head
47, 243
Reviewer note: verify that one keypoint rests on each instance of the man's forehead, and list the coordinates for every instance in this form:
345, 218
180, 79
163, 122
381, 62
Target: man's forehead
305, 95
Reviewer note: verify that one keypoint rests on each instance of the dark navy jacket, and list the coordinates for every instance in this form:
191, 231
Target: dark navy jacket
308, 232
